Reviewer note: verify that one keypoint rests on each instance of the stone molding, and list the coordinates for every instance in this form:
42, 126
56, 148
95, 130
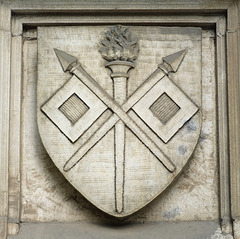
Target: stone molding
224, 16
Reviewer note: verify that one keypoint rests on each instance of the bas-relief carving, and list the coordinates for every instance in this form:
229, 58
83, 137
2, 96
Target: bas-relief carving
127, 175
28, 198
119, 45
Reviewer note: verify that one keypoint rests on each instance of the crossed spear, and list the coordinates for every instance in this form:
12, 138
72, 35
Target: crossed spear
120, 106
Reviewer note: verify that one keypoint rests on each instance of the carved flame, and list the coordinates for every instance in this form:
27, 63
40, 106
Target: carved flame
118, 44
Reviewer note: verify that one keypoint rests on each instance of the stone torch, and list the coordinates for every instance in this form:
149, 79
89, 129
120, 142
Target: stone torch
120, 50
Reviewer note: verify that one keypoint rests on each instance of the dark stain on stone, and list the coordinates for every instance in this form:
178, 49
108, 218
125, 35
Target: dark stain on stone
191, 126
182, 149
202, 137
172, 213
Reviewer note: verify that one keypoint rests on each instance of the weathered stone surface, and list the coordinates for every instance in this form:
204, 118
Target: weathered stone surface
5, 57
22, 164
90, 167
190, 230
35, 208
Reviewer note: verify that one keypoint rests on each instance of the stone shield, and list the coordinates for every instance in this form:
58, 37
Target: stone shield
119, 113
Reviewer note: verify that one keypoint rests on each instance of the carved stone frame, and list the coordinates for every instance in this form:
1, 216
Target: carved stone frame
223, 16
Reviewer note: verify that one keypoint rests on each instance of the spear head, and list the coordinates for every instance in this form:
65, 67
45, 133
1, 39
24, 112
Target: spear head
172, 62
67, 61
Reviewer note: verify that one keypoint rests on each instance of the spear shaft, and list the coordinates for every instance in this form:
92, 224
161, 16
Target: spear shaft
170, 63
119, 114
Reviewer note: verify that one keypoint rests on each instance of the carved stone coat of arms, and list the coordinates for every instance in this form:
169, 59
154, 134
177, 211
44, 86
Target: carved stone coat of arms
119, 108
